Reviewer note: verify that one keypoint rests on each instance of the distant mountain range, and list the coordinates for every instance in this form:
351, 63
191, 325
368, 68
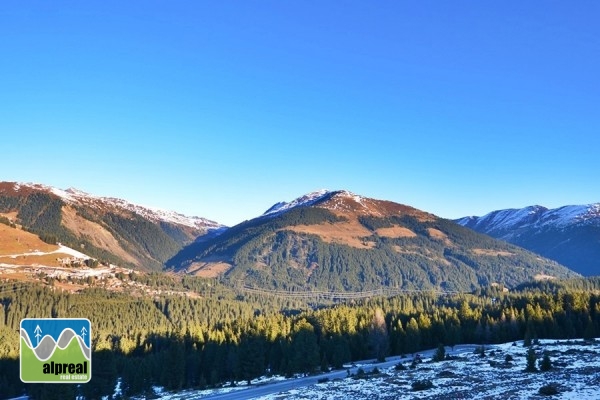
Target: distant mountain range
569, 235
103, 227
326, 240
337, 240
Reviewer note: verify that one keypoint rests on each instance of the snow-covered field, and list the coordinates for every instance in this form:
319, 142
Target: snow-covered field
575, 373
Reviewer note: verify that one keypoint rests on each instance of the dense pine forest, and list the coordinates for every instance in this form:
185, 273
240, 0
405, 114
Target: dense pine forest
218, 335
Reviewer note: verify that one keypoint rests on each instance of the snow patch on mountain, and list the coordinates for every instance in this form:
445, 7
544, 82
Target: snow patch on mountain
346, 201
569, 215
303, 201
72, 252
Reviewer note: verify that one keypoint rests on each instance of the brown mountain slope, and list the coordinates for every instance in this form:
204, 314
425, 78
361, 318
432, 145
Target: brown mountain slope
106, 228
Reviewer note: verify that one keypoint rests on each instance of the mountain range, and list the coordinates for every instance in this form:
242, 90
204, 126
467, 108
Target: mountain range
325, 240
569, 235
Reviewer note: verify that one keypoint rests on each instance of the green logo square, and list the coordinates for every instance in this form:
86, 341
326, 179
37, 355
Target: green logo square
56, 350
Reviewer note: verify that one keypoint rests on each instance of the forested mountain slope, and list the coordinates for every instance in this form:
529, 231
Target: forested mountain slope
340, 241
105, 228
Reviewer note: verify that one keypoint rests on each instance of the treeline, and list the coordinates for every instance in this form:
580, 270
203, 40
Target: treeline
182, 342
6, 221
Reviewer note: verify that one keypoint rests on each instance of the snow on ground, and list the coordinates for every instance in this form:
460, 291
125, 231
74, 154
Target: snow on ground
72, 252
576, 374
61, 250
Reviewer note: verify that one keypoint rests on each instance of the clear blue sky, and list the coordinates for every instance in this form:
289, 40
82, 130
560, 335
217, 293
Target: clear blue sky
222, 108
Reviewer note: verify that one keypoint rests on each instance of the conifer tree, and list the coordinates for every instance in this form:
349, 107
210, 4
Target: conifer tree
413, 336
531, 360
378, 335
304, 350
250, 357
440, 353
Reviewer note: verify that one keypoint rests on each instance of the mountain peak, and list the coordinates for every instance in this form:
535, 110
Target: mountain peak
345, 201
338, 240
302, 201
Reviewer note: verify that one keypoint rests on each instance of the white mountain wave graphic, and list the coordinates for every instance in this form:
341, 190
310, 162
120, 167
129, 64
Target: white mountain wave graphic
47, 346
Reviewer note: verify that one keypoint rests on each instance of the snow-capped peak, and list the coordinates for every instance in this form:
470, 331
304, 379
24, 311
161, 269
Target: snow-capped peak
306, 200
337, 198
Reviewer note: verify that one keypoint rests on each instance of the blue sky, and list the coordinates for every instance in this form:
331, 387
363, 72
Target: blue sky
220, 109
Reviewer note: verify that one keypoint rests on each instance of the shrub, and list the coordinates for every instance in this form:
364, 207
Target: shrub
440, 353
480, 350
446, 374
422, 384
400, 367
549, 390
546, 364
